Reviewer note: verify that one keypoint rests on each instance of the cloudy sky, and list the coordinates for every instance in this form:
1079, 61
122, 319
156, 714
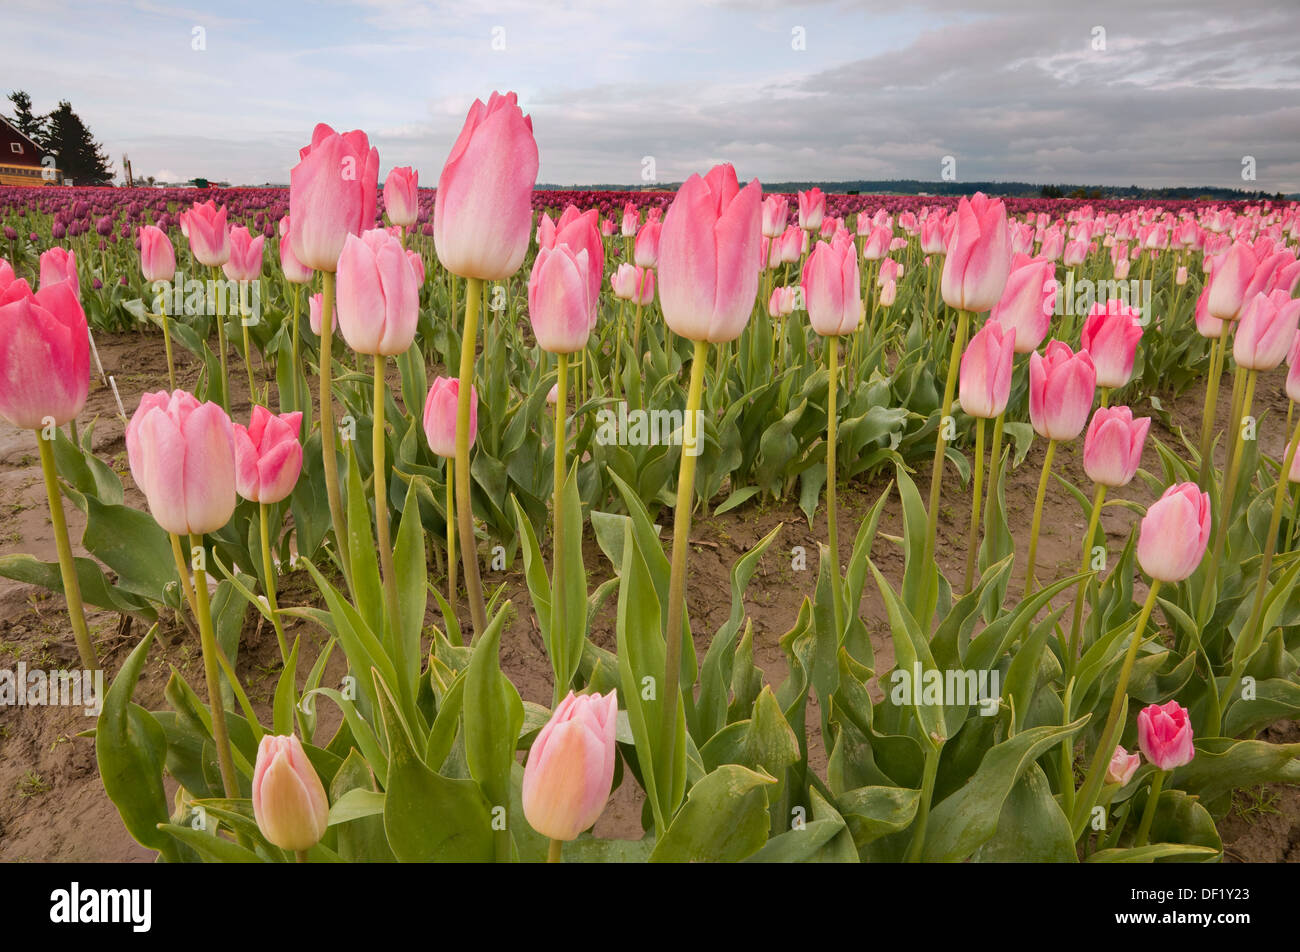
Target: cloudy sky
1148, 93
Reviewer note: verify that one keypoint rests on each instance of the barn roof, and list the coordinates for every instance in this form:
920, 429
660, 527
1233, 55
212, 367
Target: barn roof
26, 155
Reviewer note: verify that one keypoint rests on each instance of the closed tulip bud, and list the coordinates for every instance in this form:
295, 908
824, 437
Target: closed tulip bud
1294, 475
607, 227
877, 244
402, 196
44, 354
1180, 276
1165, 735
1074, 253
708, 256
313, 313
631, 220
294, 270
985, 381
1027, 302
60, 264
979, 255
832, 289
1122, 766
791, 245
559, 304
289, 801
634, 284
646, 251
1053, 244
1174, 532
1112, 449
484, 209
157, 257
581, 232
776, 213
1231, 276
1061, 387
245, 261
888, 294
1267, 328
331, 195
440, 408
378, 294
182, 456
209, 236
1110, 336
571, 766
1122, 268
417, 266
553, 395
1293, 371
812, 209
1206, 325
268, 456
932, 237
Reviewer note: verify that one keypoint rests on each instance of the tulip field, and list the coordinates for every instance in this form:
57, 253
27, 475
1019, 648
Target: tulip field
494, 524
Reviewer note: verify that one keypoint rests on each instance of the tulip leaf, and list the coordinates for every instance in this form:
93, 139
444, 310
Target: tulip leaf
409, 564
130, 543
95, 588
210, 845
285, 689
356, 804
1032, 828
723, 820
1152, 852
367, 593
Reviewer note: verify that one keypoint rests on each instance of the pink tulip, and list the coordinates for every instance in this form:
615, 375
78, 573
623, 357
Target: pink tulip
708, 256
332, 194
791, 245
1293, 371
985, 381
979, 255
1061, 388
1027, 302
402, 196
1053, 244
205, 227
1180, 276
571, 766
440, 409
932, 237
1232, 274
607, 228
1122, 766
1173, 533
417, 267
559, 303
289, 801
646, 251
776, 212
832, 289
1165, 735
580, 231
60, 264
812, 208
268, 456
378, 294
44, 354
1206, 325
631, 220
294, 270
1112, 449
634, 284
245, 261
1267, 328
877, 244
484, 210
1075, 253
1110, 336
313, 313
157, 257
182, 456
888, 293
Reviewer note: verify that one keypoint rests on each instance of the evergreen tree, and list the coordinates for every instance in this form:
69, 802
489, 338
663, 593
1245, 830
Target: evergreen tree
80, 157
24, 120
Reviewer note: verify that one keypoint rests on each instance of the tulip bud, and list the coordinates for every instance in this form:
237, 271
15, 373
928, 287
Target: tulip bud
1207, 325
44, 354
812, 208
559, 303
378, 295
440, 409
245, 261
985, 381
1165, 735
1174, 532
331, 195
1112, 450
1027, 302
1110, 336
1122, 766
268, 456
402, 196
979, 255
1267, 328
289, 801
1061, 387
832, 289
205, 226
157, 257
571, 766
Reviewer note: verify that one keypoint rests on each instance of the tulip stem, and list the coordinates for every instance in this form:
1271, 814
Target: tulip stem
1217, 348
558, 636
554, 853
929, 772
183, 571
1072, 652
248, 355
1109, 734
1036, 525
972, 540
936, 477
995, 458
297, 394
328, 455
167, 345
464, 510
67, 567
221, 344
677, 615
382, 528
1228, 491
451, 531
208, 641
1149, 812
618, 347
832, 534
268, 569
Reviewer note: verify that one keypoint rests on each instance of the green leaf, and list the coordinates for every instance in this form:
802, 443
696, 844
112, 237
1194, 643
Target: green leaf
494, 715
723, 820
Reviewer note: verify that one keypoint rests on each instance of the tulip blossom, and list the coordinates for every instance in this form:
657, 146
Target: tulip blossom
1027, 302
1075, 253
157, 257
331, 195
44, 354
932, 237
1293, 370
268, 456
245, 260
1113, 446
402, 196
571, 766
289, 801
294, 270
378, 294
646, 251
985, 381
978, 257
634, 284
60, 264
1122, 766
313, 313
1174, 532
182, 456
1232, 274
877, 244
1165, 735
631, 220
484, 210
205, 226
812, 208
1061, 387
1207, 325
579, 230
708, 256
832, 289
417, 266
1110, 336
559, 304
888, 293
440, 416
791, 245
776, 212
1267, 328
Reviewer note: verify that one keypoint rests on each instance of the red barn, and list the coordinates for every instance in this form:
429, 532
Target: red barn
20, 159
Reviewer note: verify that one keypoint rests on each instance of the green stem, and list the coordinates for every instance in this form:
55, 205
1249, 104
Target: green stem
297, 393
1072, 652
328, 454
615, 383
248, 357
1067, 753
451, 531
1149, 812
1217, 348
208, 640
1036, 525
936, 477
914, 850
221, 343
268, 569
972, 540
681, 539
464, 511
995, 456
832, 534
67, 567
554, 853
1229, 490
558, 637
167, 344
382, 527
